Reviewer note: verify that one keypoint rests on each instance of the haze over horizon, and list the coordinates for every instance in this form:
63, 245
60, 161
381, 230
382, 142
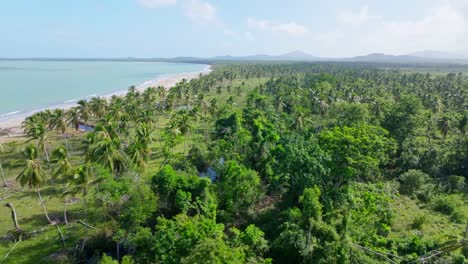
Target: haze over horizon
206, 28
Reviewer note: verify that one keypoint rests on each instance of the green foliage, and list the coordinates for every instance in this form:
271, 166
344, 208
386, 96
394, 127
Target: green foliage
299, 164
456, 183
356, 152
419, 221
176, 238
412, 181
180, 191
238, 188
447, 204
349, 114
140, 204
403, 119
214, 250
309, 158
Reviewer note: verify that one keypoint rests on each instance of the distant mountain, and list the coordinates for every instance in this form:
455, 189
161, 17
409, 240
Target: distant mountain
426, 56
291, 56
299, 55
433, 54
381, 57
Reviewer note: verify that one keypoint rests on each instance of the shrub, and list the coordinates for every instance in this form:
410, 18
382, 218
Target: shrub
456, 183
458, 216
412, 181
419, 221
447, 204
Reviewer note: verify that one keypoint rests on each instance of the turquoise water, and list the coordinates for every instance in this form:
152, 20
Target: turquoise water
30, 85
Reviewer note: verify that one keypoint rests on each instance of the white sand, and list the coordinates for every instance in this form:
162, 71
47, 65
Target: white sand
12, 127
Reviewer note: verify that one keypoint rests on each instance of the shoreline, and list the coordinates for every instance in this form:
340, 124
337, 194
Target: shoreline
10, 127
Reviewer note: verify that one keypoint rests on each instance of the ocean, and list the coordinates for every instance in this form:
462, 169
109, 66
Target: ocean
31, 85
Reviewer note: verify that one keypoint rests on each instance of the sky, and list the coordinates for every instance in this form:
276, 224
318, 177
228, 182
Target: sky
204, 28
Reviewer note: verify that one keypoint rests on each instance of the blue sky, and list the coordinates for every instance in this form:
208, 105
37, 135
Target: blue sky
167, 28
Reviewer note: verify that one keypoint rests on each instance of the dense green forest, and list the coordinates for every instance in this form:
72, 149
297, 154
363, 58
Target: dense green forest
252, 163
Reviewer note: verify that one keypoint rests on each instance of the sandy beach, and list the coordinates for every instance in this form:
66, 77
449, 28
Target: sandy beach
11, 127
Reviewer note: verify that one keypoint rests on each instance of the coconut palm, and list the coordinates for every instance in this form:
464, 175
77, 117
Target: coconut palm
35, 128
84, 177
105, 148
139, 149
1, 168
33, 175
83, 109
59, 123
63, 169
73, 118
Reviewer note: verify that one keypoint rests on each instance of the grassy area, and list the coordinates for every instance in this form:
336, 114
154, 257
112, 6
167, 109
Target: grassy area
433, 225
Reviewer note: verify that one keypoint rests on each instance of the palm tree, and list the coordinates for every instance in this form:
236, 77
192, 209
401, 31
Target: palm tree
83, 110
444, 125
33, 175
162, 92
98, 105
62, 169
73, 116
59, 123
83, 179
106, 150
35, 128
139, 149
1, 168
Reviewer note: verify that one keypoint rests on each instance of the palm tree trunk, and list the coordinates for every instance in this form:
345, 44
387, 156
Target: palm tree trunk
3, 176
61, 235
13, 215
43, 205
65, 218
85, 205
66, 144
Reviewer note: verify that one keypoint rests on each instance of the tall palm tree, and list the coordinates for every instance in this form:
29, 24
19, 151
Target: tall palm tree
98, 106
1, 168
35, 128
83, 109
59, 123
33, 175
139, 149
84, 177
162, 92
73, 117
63, 169
105, 149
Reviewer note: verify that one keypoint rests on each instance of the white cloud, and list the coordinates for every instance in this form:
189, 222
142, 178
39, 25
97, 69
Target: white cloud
200, 11
443, 27
156, 3
291, 28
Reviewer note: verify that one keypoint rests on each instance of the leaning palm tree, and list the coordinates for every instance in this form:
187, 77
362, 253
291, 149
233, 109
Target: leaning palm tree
1, 168
63, 169
33, 175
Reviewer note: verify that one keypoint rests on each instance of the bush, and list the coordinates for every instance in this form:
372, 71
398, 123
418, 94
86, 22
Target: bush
412, 181
458, 216
447, 204
456, 183
419, 221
